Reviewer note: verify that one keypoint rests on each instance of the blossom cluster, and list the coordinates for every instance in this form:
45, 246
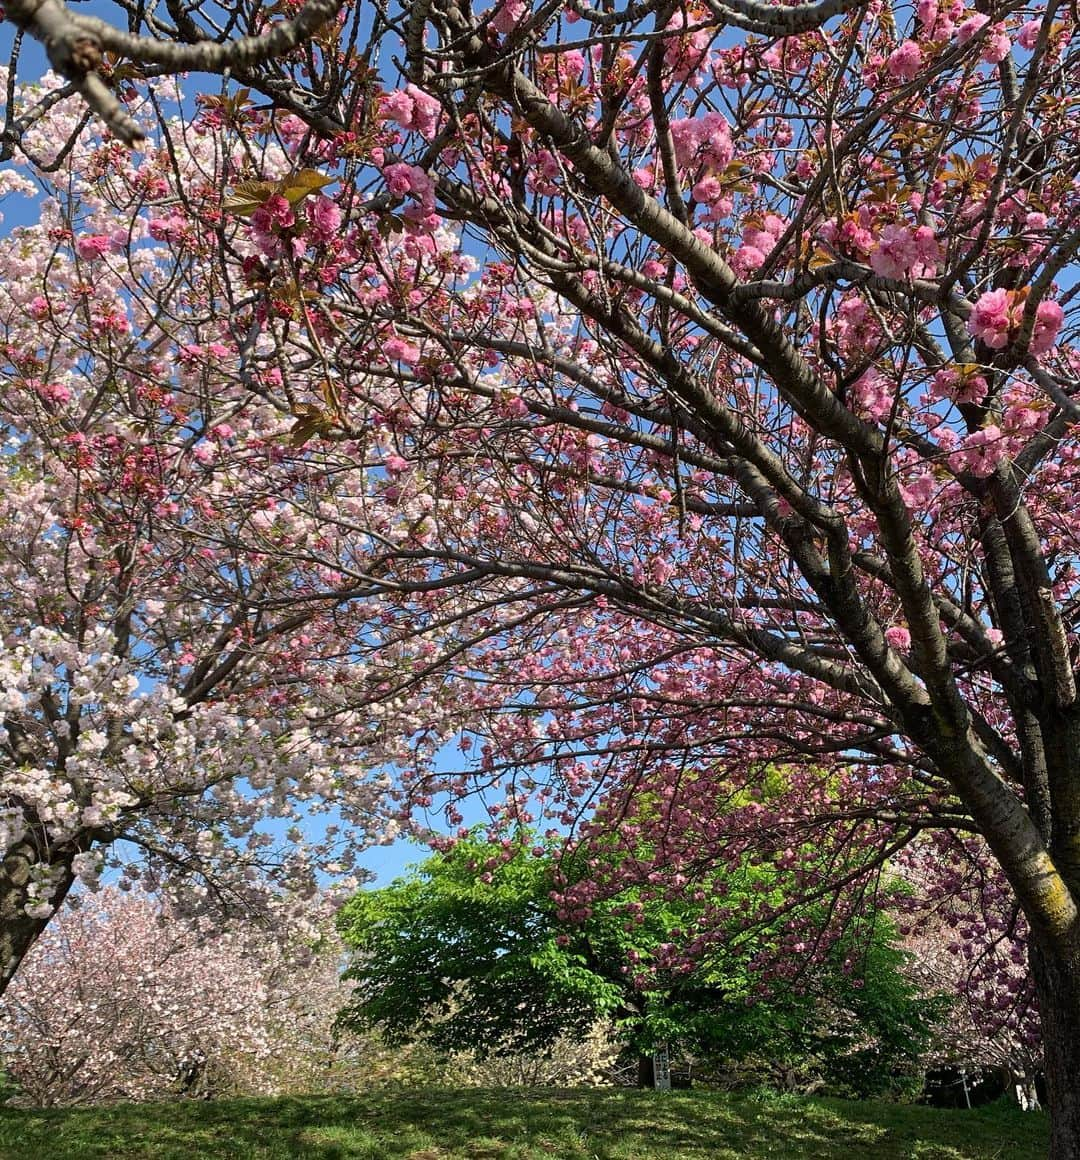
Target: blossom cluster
998, 317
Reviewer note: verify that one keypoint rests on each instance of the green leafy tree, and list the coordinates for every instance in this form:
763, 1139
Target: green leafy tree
467, 952
473, 950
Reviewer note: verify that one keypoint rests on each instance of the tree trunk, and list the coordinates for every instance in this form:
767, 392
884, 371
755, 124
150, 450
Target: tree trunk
1025, 1092
645, 1076
18, 930
1057, 979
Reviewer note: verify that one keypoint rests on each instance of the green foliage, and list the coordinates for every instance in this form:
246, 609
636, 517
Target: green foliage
858, 1034
468, 953
469, 959
9, 1089
565, 1125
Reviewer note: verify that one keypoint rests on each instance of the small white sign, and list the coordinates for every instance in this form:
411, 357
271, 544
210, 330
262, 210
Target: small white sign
661, 1067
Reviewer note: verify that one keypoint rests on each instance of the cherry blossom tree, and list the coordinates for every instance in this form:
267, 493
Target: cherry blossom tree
180, 669
967, 945
713, 369
990, 1024
123, 998
762, 407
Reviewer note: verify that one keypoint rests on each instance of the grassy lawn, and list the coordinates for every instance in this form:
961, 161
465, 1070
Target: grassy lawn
524, 1125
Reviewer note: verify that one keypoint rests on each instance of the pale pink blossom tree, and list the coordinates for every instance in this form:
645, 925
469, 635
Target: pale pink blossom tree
125, 998
184, 664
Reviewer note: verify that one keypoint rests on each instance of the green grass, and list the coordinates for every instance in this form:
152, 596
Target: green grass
524, 1125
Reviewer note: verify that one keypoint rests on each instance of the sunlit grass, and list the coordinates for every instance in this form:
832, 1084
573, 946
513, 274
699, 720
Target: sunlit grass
524, 1125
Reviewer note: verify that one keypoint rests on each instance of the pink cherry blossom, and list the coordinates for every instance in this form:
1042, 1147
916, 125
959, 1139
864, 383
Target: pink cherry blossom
746, 260
997, 46
898, 638
128, 998
703, 140
989, 321
896, 252
325, 218
275, 212
398, 106
981, 451
56, 393
403, 179
707, 190
1028, 35
1049, 317
971, 27
399, 350
508, 15
905, 61
684, 54
91, 248
412, 108
168, 229
875, 395
998, 316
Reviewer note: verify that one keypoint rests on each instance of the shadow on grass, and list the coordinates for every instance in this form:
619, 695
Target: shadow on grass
523, 1125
